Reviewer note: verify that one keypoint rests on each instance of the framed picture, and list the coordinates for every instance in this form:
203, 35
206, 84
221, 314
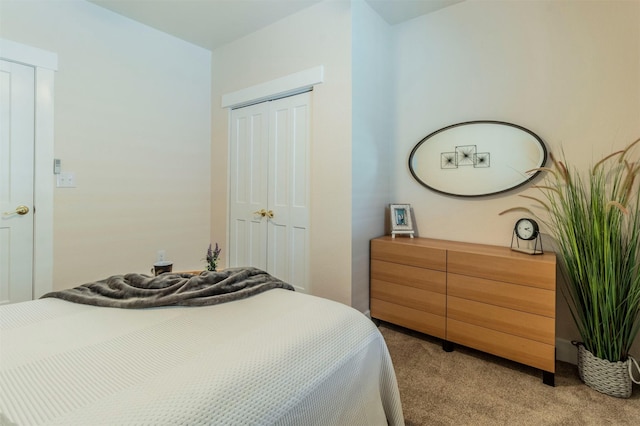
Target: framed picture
401, 219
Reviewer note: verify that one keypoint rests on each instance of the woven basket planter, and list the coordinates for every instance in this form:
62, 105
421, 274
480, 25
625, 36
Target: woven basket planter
610, 378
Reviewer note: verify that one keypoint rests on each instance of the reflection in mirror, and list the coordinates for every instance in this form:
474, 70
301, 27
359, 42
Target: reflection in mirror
477, 158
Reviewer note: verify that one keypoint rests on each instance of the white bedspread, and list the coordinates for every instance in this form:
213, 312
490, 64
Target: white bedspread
279, 357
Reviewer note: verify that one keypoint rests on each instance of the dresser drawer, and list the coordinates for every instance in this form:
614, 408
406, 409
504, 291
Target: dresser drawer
517, 323
536, 271
414, 319
409, 253
411, 297
515, 348
425, 279
522, 298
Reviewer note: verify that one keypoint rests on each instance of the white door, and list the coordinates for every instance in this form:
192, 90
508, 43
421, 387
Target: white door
288, 195
17, 109
249, 162
270, 188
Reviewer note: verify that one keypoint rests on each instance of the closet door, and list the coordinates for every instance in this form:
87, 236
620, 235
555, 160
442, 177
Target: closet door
288, 194
269, 205
249, 162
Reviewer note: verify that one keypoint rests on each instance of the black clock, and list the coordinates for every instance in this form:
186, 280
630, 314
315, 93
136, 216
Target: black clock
526, 229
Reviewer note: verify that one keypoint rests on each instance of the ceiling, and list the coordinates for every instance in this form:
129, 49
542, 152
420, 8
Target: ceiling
214, 23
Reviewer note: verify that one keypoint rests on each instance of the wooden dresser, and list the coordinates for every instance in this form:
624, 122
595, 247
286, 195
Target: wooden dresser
485, 297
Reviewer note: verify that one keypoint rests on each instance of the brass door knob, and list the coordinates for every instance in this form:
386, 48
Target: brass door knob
261, 212
21, 210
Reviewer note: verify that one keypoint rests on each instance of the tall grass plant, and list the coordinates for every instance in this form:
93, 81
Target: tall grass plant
595, 221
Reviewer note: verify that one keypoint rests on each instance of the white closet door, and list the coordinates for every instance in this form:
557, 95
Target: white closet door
249, 162
270, 173
288, 229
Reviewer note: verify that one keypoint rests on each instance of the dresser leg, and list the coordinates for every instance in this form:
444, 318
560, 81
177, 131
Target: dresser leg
447, 346
548, 378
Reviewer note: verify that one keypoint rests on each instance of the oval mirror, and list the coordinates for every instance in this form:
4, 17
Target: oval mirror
477, 158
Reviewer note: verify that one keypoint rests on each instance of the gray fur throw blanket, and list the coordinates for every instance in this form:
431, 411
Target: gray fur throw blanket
170, 289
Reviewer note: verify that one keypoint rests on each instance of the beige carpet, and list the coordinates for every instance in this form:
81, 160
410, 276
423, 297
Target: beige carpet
467, 387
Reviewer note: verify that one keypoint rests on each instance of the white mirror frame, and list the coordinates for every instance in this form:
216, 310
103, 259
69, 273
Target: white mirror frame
477, 158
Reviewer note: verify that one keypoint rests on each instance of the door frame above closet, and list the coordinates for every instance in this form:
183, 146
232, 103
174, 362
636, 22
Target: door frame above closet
288, 85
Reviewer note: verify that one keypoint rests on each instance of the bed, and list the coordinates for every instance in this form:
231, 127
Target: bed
274, 357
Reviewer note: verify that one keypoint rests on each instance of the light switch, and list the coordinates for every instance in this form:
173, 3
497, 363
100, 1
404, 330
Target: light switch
66, 180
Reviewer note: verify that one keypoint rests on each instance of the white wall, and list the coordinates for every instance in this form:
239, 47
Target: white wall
568, 71
132, 120
372, 150
319, 35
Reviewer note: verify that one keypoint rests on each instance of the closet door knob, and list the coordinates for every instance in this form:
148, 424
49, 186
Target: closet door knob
261, 212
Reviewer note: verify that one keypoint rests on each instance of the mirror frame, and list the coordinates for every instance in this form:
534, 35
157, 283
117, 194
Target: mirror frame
501, 123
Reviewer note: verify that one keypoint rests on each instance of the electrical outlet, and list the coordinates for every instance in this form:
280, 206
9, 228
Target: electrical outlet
160, 256
66, 180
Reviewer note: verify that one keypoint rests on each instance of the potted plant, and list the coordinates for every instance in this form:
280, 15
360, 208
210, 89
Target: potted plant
595, 221
212, 257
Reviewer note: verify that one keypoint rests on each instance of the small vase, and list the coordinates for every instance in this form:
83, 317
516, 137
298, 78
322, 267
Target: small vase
610, 378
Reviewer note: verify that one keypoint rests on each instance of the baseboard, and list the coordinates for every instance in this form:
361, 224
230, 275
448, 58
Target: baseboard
565, 351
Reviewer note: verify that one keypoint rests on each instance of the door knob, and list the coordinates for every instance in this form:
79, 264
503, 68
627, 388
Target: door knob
264, 213
261, 212
21, 210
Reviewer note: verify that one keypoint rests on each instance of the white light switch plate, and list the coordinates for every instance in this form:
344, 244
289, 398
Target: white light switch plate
66, 180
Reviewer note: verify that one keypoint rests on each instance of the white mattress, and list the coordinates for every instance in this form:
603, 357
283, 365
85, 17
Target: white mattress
279, 357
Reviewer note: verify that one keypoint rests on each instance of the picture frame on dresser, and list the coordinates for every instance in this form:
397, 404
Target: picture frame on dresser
400, 219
